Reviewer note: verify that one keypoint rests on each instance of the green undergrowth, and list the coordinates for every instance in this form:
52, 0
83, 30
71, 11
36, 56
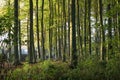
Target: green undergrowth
87, 69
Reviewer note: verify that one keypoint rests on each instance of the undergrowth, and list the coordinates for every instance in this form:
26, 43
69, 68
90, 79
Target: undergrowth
88, 69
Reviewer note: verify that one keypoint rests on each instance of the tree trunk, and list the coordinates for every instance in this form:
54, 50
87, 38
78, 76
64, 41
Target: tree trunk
37, 27
69, 7
78, 30
16, 32
109, 32
9, 31
74, 51
56, 33
85, 33
42, 30
31, 33
103, 51
119, 27
96, 29
64, 26
89, 25
50, 29
59, 37
20, 53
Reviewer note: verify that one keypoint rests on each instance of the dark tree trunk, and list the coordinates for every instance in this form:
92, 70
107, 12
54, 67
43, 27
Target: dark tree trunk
96, 29
59, 37
119, 27
50, 29
64, 26
20, 53
31, 33
109, 32
89, 25
78, 30
85, 33
37, 27
42, 30
74, 51
56, 33
16, 32
9, 31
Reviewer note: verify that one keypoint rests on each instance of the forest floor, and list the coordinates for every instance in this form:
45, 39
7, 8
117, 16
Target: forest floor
89, 69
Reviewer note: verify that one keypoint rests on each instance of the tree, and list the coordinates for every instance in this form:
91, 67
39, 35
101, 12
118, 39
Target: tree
64, 26
37, 27
97, 34
19, 37
50, 29
89, 24
56, 33
110, 51
74, 51
85, 25
69, 7
79, 29
42, 30
32, 51
59, 37
118, 25
9, 29
16, 32
103, 49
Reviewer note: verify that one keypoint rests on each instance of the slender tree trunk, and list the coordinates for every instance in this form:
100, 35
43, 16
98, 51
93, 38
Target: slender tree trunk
28, 38
109, 32
74, 51
16, 32
20, 53
69, 7
103, 51
85, 33
89, 25
9, 36
62, 29
118, 26
9, 31
78, 30
96, 29
37, 27
56, 33
50, 29
59, 37
31, 33
64, 26
42, 30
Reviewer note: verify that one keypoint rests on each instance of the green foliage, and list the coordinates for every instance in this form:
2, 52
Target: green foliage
46, 70
5, 23
88, 69
91, 69
113, 68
